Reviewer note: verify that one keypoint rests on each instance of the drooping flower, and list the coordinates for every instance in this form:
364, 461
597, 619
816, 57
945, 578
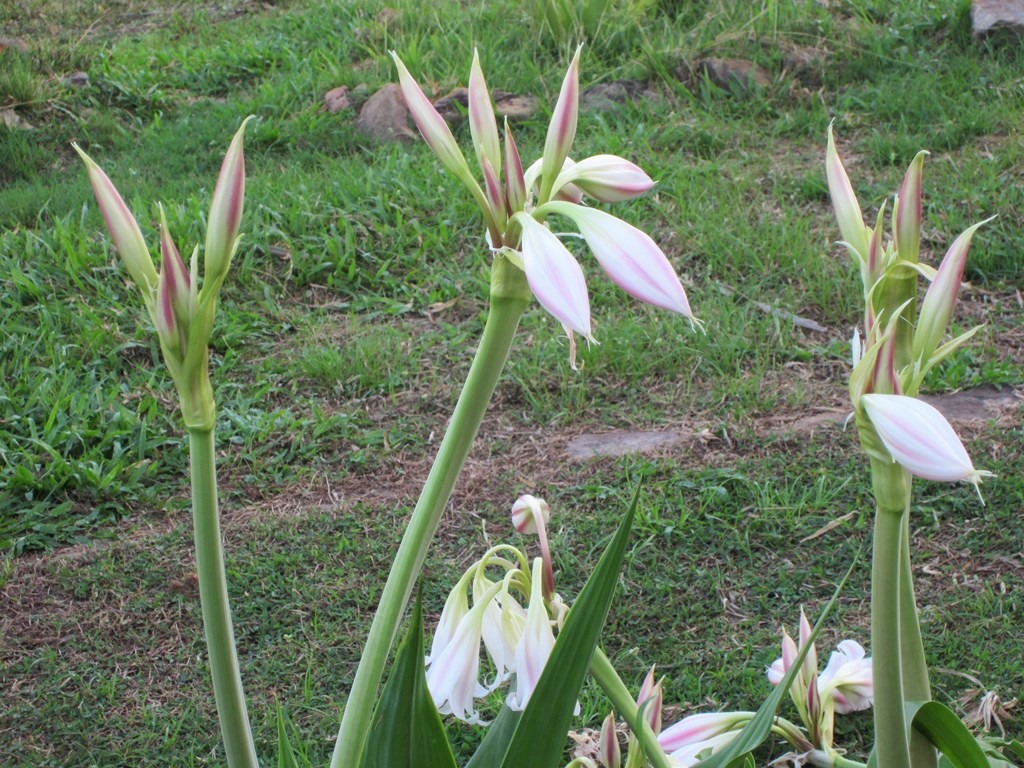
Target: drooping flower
848, 678
535, 644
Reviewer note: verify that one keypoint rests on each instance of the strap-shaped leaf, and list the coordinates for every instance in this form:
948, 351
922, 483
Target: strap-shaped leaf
539, 739
406, 731
949, 735
759, 728
495, 744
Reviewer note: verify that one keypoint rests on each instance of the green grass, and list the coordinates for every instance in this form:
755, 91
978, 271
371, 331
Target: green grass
353, 311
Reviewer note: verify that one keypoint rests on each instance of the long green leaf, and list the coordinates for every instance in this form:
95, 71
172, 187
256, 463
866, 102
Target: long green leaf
495, 744
759, 728
949, 735
406, 731
539, 739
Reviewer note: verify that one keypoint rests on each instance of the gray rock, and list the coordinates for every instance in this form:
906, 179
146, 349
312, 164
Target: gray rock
622, 443
730, 74
76, 80
336, 99
605, 96
987, 16
384, 117
453, 105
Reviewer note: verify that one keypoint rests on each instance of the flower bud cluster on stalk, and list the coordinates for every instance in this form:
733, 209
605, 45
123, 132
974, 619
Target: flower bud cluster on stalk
181, 311
517, 203
899, 344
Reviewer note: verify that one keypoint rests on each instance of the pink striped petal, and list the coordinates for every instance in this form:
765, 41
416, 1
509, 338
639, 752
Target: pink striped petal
611, 752
920, 439
630, 257
555, 276
534, 646
699, 728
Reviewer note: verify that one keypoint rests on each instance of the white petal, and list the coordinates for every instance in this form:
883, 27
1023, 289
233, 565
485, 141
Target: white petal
535, 645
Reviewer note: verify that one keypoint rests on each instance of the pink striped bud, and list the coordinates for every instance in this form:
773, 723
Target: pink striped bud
650, 701
515, 181
124, 231
432, 127
173, 308
527, 511
937, 307
561, 129
906, 214
606, 178
611, 752
226, 210
697, 729
482, 125
844, 201
920, 439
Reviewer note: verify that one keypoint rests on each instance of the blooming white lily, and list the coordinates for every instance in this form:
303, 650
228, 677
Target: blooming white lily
847, 678
920, 439
515, 211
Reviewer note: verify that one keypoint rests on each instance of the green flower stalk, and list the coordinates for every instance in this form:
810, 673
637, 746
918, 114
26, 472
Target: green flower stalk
182, 313
901, 435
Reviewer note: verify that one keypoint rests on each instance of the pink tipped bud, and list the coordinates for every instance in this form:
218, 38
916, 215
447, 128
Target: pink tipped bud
515, 182
527, 511
696, 729
123, 229
562, 128
906, 214
482, 125
175, 273
940, 299
920, 439
844, 201
432, 127
611, 752
606, 178
809, 669
650, 700
226, 210
493, 191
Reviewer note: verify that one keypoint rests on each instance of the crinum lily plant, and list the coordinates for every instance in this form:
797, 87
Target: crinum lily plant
528, 260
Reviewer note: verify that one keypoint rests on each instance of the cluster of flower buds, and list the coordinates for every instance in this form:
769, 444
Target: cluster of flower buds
517, 640
180, 311
900, 345
845, 685
516, 203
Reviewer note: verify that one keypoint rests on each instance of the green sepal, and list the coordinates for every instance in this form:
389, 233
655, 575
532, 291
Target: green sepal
539, 738
406, 730
759, 728
495, 743
285, 754
945, 730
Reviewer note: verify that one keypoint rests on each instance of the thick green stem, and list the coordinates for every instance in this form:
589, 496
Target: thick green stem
891, 744
606, 676
213, 594
510, 295
916, 686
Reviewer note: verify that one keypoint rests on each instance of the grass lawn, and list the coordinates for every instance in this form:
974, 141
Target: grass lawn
353, 310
